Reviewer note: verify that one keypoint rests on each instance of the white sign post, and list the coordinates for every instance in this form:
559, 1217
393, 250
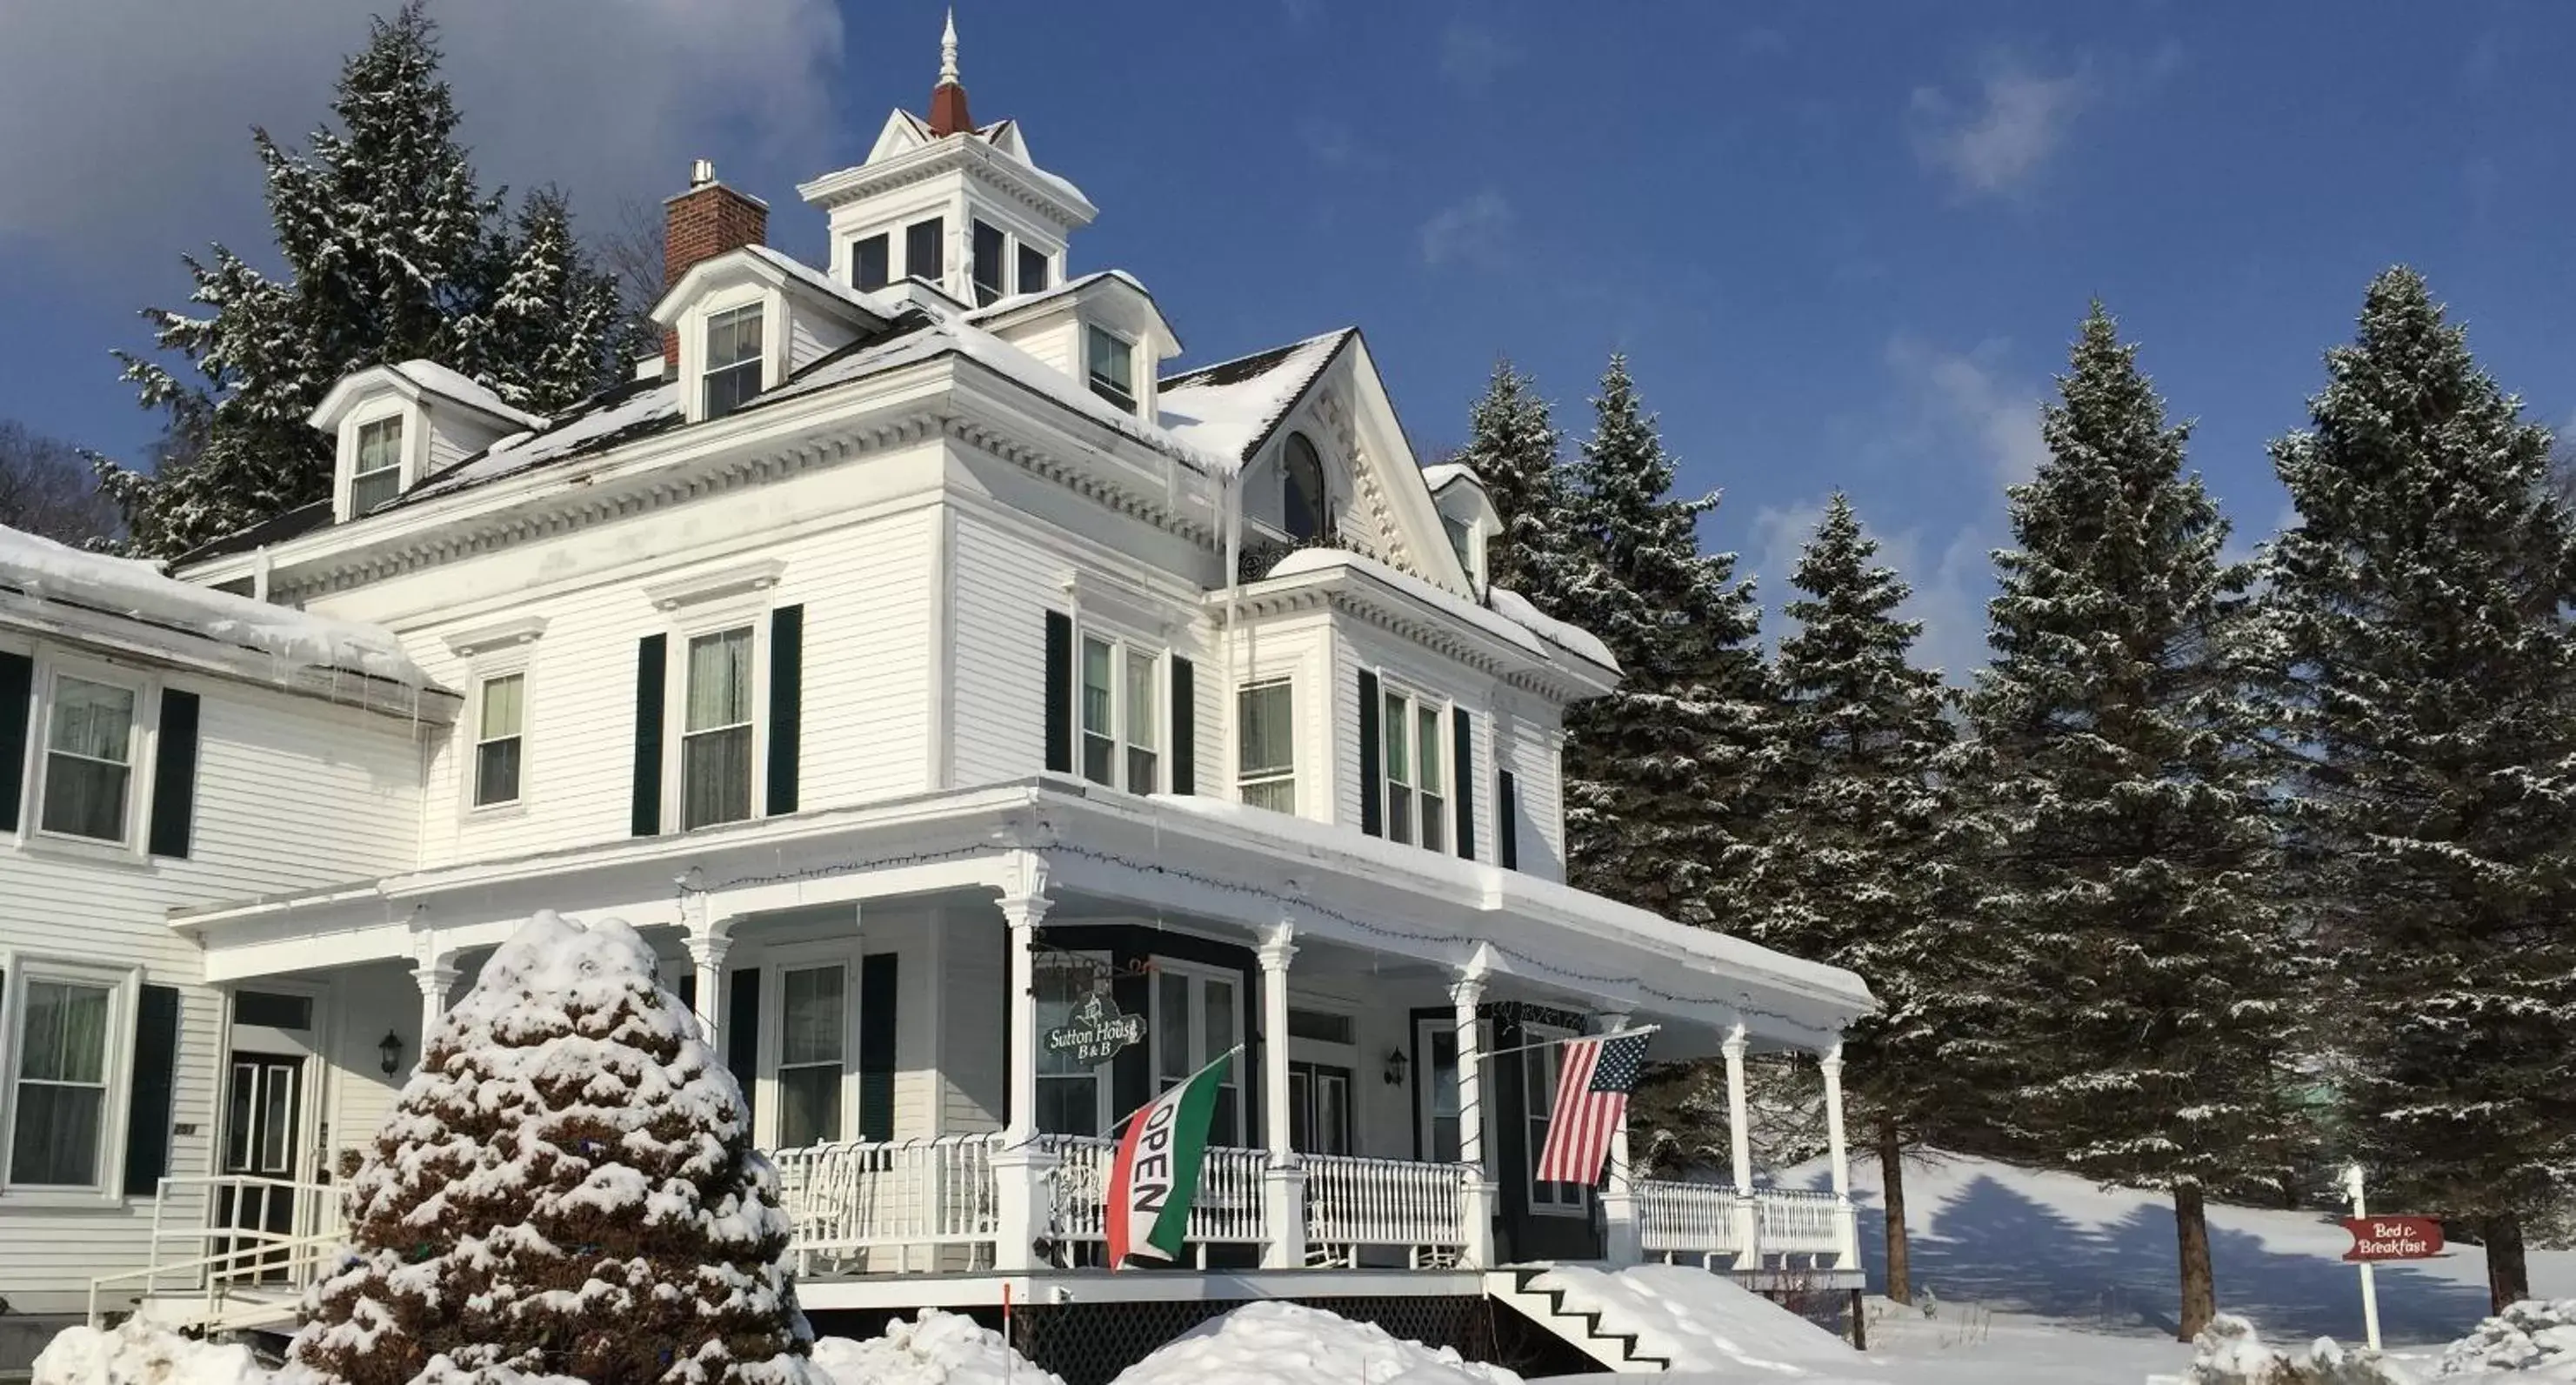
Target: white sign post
2369, 1286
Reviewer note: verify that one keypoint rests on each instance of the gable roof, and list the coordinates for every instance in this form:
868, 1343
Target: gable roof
415, 378
1235, 406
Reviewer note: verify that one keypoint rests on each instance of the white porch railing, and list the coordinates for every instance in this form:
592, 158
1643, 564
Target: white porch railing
241, 1249
1679, 1219
911, 1205
1796, 1221
1351, 1203
1226, 1211
1793, 1228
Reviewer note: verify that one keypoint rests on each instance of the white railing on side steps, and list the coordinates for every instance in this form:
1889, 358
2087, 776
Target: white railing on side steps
902, 1196
241, 1272
1677, 1220
1353, 1202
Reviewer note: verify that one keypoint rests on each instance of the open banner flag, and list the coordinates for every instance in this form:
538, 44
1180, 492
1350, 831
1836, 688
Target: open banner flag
1156, 1175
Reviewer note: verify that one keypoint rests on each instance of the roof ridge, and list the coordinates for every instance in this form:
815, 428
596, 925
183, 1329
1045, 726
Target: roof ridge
1169, 381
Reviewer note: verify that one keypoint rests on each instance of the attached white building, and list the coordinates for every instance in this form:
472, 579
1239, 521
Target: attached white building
926, 662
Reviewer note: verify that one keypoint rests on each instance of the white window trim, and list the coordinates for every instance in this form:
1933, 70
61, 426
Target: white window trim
51, 666
1416, 701
1200, 974
1234, 769
126, 983
1553, 1055
513, 664
713, 618
775, 962
1121, 648
415, 449
692, 330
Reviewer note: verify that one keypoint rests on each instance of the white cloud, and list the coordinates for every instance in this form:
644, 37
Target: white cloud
1475, 232
1997, 140
1957, 398
124, 124
1472, 56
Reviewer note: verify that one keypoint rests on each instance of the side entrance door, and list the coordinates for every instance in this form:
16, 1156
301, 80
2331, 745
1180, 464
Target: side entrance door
265, 1093
1319, 1108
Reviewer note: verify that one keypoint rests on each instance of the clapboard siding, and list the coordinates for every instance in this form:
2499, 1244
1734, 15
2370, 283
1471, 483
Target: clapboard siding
1535, 764
974, 982
998, 675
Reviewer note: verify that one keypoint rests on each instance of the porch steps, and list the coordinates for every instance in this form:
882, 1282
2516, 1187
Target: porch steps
1514, 1287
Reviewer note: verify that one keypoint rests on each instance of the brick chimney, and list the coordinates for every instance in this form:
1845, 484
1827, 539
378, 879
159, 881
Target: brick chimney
706, 221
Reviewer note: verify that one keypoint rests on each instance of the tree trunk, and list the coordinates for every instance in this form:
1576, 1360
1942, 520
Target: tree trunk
1891, 1172
2191, 1236
2508, 1277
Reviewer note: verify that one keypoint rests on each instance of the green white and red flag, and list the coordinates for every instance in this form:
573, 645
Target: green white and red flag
1156, 1174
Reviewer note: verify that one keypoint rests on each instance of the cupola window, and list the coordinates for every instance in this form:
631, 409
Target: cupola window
1112, 367
869, 270
378, 476
1302, 505
733, 359
924, 243
990, 262
1033, 269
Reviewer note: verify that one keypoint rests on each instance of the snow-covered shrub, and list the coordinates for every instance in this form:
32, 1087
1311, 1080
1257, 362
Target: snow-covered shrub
566, 1188
1291, 1344
139, 1353
935, 1349
2230, 1352
2533, 1335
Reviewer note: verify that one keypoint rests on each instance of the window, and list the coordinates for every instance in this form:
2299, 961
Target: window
990, 264
1417, 783
1398, 751
1432, 793
733, 359
1462, 541
1322, 1026
89, 759
1266, 764
1070, 1091
869, 270
924, 243
498, 730
814, 1026
377, 478
1442, 1097
1033, 269
715, 742
1540, 1065
1112, 367
60, 1106
1196, 1021
1302, 503
1121, 725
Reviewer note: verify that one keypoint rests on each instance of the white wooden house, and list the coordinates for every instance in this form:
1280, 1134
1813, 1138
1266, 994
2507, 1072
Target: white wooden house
931, 666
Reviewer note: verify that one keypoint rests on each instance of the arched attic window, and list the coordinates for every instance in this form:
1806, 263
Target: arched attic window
1304, 503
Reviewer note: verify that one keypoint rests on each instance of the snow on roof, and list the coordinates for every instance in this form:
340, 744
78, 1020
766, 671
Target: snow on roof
173, 610
456, 385
1001, 307
823, 283
1233, 406
1571, 637
1440, 474
628, 410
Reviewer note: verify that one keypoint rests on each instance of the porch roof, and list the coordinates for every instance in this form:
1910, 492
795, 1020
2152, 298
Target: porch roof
1218, 861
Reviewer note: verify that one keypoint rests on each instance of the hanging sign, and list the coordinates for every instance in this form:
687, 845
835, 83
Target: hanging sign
1095, 1031
2393, 1238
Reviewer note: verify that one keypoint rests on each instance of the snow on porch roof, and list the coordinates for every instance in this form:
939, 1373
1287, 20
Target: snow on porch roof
1234, 406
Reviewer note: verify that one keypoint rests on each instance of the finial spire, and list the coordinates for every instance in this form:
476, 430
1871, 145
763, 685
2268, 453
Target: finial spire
948, 99
948, 50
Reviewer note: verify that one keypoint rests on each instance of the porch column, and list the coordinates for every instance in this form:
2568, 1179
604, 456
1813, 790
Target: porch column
1740, 1149
708, 946
1284, 1182
1020, 1169
1619, 1187
1465, 995
436, 974
1838, 1160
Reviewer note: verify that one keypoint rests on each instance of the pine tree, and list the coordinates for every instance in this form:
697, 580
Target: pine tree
2430, 669
1663, 774
556, 330
1857, 876
566, 1188
2156, 984
392, 253
1514, 448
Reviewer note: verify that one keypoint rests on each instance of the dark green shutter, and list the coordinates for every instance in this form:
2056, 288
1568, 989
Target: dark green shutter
1059, 692
174, 774
1507, 821
1372, 771
17, 704
786, 703
742, 1034
1462, 777
147, 1118
877, 992
649, 654
1185, 726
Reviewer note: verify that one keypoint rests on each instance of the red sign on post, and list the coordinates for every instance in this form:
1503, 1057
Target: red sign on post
2393, 1238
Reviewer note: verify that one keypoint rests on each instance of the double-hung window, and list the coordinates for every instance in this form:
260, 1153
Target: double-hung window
924, 249
813, 1046
1541, 1064
869, 269
1121, 716
732, 368
990, 264
500, 731
89, 759
377, 477
58, 1102
1110, 361
1414, 761
716, 733
1266, 734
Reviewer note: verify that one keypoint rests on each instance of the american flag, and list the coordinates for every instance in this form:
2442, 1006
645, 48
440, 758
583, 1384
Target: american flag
1591, 1103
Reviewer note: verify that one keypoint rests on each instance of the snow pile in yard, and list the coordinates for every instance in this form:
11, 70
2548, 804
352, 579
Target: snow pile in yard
49, 571
2535, 1337
140, 1354
1695, 1319
935, 1349
1290, 1344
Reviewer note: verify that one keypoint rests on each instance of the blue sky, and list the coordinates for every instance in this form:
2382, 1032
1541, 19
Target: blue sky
1844, 246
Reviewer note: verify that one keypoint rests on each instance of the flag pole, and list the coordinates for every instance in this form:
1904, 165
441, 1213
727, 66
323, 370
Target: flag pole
1571, 1039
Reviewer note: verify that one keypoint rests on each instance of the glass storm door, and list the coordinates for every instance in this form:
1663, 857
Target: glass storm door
259, 1195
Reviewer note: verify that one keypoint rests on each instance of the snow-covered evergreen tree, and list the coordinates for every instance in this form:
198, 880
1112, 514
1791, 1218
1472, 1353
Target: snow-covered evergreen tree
556, 330
1856, 875
2422, 603
391, 253
566, 1188
2157, 988
1663, 775
1513, 447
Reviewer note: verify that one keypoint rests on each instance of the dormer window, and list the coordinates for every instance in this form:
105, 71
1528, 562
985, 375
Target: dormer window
869, 269
378, 476
991, 262
733, 359
1111, 364
1462, 541
1302, 507
1033, 269
923, 245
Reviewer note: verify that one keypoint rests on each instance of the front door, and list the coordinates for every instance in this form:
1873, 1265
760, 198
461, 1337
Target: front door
1319, 1108
265, 1094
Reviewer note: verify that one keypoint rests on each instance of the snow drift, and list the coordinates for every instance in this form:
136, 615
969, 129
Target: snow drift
140, 1354
1290, 1344
935, 1348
